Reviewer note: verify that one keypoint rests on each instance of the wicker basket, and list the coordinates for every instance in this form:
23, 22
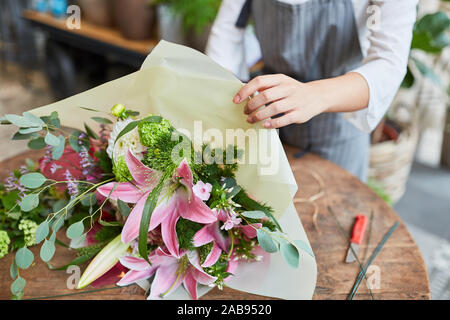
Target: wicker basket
390, 162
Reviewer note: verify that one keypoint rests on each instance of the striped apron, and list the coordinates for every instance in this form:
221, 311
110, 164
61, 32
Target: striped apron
314, 40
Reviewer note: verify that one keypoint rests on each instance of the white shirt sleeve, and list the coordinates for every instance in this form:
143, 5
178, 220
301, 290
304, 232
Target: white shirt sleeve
384, 66
226, 41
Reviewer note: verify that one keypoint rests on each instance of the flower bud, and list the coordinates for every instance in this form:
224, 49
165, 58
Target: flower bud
118, 110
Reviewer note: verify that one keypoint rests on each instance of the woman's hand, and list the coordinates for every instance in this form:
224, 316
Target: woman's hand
299, 102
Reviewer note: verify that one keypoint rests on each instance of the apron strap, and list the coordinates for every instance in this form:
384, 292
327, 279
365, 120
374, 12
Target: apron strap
244, 16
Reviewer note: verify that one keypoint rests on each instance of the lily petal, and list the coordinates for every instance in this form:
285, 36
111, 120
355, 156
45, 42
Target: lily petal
134, 263
203, 236
124, 191
130, 230
184, 172
169, 233
203, 278
142, 175
166, 278
190, 284
162, 211
213, 256
132, 276
194, 209
103, 262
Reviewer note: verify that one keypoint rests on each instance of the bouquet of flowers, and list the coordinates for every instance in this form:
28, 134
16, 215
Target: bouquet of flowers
140, 202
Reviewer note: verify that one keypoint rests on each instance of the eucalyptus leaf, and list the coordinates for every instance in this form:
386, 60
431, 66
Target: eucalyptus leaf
47, 250
19, 121
304, 247
58, 150
89, 200
18, 286
29, 202
34, 119
58, 205
266, 242
13, 271
290, 254
21, 136
24, 258
30, 130
57, 224
33, 180
75, 230
37, 144
52, 140
253, 214
42, 231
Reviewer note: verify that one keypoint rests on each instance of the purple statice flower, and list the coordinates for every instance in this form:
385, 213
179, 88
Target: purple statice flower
48, 156
86, 161
72, 186
80, 138
104, 136
12, 183
23, 170
54, 167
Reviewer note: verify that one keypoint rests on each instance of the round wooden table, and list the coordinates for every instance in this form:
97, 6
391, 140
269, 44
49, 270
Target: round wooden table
401, 270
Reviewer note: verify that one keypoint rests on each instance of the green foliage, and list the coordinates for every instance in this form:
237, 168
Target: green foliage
431, 36
266, 242
32, 180
121, 171
29, 228
196, 14
151, 133
186, 230
106, 234
4, 243
29, 202
75, 230
104, 162
219, 270
24, 258
204, 251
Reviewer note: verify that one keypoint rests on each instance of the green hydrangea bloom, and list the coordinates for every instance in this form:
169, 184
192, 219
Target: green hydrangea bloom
4, 243
121, 171
151, 133
29, 230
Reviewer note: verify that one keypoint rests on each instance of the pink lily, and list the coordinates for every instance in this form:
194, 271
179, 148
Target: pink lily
145, 180
173, 204
170, 272
182, 203
211, 233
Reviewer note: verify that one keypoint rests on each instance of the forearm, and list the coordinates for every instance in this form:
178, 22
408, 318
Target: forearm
346, 93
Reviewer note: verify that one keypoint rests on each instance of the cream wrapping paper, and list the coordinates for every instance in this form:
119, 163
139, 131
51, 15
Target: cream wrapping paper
184, 86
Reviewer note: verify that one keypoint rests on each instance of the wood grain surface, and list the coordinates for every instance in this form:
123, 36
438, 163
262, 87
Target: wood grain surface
401, 267
108, 35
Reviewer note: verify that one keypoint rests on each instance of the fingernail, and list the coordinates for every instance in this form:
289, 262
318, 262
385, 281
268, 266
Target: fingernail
237, 99
246, 111
267, 124
250, 119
